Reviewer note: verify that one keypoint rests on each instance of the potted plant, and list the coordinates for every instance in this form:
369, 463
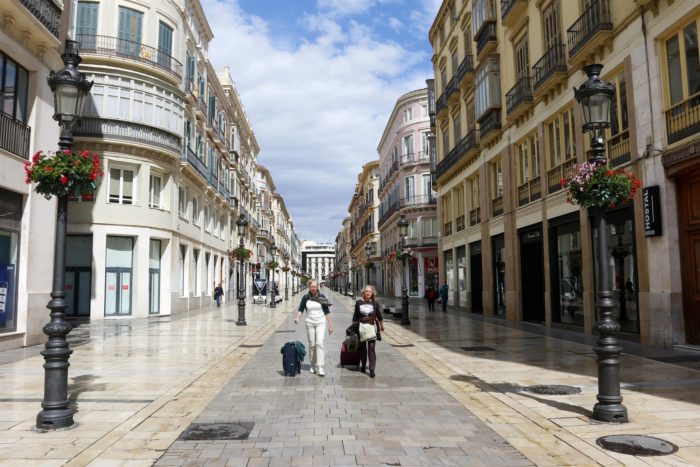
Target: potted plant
369, 265
272, 264
241, 253
595, 185
285, 268
63, 173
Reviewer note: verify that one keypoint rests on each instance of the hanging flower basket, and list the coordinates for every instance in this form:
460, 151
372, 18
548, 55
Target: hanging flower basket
369, 265
63, 173
241, 253
595, 185
407, 254
272, 264
285, 269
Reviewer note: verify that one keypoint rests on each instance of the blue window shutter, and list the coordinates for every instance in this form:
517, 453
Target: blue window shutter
130, 23
165, 44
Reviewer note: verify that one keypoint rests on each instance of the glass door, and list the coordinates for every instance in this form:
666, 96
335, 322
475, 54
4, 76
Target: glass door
118, 273
154, 278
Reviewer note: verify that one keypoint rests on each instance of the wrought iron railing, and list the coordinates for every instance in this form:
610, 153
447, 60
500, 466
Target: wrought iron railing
441, 102
122, 48
529, 191
474, 216
487, 34
467, 66
497, 205
452, 86
521, 92
553, 60
595, 18
414, 158
490, 122
197, 163
125, 130
460, 223
469, 142
202, 105
419, 200
393, 207
14, 136
619, 148
683, 119
47, 12
556, 174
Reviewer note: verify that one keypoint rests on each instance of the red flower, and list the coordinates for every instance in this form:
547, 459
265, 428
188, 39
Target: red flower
64, 180
49, 168
36, 157
85, 154
66, 152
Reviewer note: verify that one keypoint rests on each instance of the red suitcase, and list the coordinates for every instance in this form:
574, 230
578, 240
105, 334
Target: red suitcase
349, 352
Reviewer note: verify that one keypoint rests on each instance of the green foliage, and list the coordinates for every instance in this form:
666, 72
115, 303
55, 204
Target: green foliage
240, 253
272, 264
596, 185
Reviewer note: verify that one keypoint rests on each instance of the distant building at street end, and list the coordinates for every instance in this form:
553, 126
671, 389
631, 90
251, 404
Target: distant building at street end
317, 259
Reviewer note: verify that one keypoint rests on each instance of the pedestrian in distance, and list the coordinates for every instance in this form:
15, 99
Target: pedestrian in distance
367, 311
318, 315
431, 295
444, 292
218, 293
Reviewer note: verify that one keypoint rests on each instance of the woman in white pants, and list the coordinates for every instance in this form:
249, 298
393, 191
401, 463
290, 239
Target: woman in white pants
318, 313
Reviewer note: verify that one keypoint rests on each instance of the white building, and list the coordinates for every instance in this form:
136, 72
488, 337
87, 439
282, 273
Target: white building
317, 259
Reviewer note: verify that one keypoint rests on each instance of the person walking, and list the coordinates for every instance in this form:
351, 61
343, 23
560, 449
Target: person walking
218, 293
367, 311
444, 292
318, 314
431, 295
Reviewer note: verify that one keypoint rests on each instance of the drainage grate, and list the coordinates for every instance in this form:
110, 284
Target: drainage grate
477, 348
286, 330
215, 431
553, 389
637, 445
250, 346
402, 345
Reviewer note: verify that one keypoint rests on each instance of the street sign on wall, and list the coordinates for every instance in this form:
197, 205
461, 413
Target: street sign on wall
651, 202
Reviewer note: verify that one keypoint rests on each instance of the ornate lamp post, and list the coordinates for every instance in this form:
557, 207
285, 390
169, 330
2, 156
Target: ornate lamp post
69, 87
286, 276
273, 250
403, 232
242, 224
595, 96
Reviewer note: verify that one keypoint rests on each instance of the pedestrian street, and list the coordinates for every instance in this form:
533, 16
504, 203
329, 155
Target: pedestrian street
448, 391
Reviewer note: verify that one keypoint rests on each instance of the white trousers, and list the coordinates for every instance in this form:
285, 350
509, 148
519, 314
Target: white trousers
316, 333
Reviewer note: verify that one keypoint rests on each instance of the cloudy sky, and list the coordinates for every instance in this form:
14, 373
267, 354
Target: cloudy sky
319, 79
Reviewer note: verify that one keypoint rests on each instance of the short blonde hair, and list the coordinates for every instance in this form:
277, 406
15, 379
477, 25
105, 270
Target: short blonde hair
371, 287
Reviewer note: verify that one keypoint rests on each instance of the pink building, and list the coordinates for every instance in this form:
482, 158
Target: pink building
405, 188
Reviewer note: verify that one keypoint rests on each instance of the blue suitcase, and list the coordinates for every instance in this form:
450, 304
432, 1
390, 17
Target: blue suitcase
291, 363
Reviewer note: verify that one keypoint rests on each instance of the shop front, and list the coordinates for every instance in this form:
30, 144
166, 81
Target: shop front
10, 225
566, 268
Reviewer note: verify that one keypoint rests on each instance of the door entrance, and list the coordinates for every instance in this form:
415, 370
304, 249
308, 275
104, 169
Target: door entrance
118, 293
532, 275
476, 282
689, 220
78, 286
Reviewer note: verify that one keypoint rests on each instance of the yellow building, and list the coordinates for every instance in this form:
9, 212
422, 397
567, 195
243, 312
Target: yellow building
508, 129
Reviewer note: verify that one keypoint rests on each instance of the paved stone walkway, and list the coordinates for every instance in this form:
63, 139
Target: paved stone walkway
400, 417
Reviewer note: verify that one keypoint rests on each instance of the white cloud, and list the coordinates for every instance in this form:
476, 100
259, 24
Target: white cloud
318, 108
395, 24
344, 7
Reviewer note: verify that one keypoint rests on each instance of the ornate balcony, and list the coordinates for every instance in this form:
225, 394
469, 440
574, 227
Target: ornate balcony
556, 174
47, 12
132, 132
466, 69
414, 158
486, 40
683, 119
393, 208
519, 98
198, 164
460, 154
591, 30
14, 136
129, 50
417, 201
550, 69
441, 103
529, 191
452, 89
474, 217
200, 110
619, 149
512, 11
489, 123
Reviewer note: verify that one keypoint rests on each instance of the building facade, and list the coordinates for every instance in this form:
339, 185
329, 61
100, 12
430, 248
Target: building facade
508, 130
365, 246
30, 46
405, 188
317, 259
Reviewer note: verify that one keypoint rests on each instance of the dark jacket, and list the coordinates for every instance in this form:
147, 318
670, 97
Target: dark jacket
218, 292
358, 317
321, 299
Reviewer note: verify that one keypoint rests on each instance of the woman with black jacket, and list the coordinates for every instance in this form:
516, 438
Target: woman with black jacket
367, 311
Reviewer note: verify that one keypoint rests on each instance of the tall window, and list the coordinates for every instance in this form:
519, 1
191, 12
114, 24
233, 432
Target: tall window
497, 179
181, 268
427, 187
154, 191
206, 218
165, 44
474, 201
429, 228
121, 186
182, 201
482, 11
528, 159
407, 114
559, 139
86, 24
619, 119
445, 141
455, 62
407, 146
129, 32
522, 60
425, 150
457, 127
14, 83
195, 210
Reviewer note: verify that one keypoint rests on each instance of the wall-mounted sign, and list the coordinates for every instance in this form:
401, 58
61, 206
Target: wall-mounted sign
431, 266
651, 199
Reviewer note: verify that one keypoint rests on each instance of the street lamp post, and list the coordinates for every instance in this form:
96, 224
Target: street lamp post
286, 276
69, 87
368, 251
403, 231
242, 224
595, 96
273, 250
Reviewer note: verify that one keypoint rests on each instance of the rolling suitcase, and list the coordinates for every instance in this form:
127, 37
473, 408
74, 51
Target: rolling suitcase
349, 352
291, 363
